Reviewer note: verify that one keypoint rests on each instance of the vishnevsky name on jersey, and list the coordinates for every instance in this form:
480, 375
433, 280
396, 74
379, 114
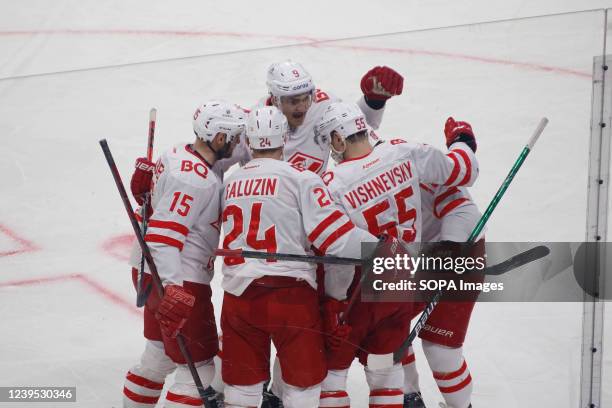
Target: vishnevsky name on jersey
263, 186
379, 185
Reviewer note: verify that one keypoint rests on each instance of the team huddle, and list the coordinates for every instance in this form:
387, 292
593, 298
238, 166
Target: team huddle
283, 198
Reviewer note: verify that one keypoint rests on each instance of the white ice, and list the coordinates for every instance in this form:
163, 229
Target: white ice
73, 72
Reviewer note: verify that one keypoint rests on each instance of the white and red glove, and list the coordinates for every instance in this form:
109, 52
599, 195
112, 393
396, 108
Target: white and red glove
140, 184
336, 333
174, 310
381, 83
459, 132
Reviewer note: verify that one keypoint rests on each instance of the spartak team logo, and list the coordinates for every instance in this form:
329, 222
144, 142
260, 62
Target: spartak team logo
306, 162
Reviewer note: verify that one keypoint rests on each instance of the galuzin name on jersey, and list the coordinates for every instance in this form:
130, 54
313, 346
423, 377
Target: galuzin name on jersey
379, 185
262, 187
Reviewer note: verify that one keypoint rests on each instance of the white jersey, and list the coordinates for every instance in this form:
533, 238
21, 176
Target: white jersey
380, 192
271, 205
302, 148
183, 231
449, 213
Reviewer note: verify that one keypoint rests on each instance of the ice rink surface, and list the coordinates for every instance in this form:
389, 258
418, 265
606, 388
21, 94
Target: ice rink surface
73, 72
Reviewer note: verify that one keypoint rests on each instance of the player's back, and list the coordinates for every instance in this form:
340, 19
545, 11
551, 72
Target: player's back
270, 205
186, 207
261, 212
380, 191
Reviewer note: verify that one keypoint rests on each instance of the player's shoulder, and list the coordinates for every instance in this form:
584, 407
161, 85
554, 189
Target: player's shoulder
262, 102
324, 98
296, 172
400, 145
185, 166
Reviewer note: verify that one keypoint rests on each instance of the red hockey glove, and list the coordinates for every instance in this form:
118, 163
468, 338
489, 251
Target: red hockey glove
459, 132
174, 309
141, 179
381, 83
335, 332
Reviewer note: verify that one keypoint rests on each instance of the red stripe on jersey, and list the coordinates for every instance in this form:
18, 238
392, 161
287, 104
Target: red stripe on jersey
451, 375
162, 239
184, 399
333, 394
139, 398
451, 206
409, 359
171, 225
458, 387
468, 166
445, 195
333, 237
424, 187
399, 405
333, 217
143, 382
138, 217
456, 169
386, 392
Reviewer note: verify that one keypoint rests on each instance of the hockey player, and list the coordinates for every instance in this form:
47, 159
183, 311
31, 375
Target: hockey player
292, 90
182, 234
274, 206
379, 189
449, 216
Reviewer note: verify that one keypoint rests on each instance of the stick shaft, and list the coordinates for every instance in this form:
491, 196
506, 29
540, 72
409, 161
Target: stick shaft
289, 257
141, 293
151, 263
506, 183
398, 354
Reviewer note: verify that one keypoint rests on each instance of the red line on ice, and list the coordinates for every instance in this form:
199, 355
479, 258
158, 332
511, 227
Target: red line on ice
315, 42
518, 64
26, 246
97, 287
178, 33
119, 246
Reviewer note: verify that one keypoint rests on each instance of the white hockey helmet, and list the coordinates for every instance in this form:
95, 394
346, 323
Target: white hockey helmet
345, 118
218, 117
288, 78
267, 128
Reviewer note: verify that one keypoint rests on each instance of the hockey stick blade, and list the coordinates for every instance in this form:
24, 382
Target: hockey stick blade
378, 361
518, 260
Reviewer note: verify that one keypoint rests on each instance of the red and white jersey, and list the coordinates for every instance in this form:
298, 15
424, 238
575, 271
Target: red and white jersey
271, 205
302, 147
380, 191
449, 213
183, 231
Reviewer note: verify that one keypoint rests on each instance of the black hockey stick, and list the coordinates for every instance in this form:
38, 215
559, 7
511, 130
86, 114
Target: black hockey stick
143, 293
208, 394
518, 260
513, 262
509, 264
288, 257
